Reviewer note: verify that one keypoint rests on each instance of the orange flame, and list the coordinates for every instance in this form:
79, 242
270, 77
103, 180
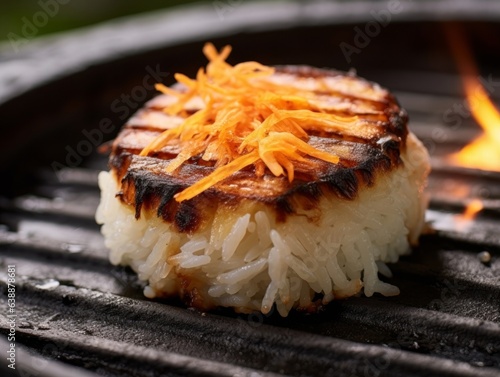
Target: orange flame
472, 209
483, 152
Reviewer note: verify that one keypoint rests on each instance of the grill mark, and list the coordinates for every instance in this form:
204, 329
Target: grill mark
149, 128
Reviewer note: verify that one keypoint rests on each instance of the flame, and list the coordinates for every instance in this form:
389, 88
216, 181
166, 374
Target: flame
483, 152
472, 209
463, 221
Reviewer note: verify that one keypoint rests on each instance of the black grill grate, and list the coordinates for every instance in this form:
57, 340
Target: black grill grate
77, 311
77, 308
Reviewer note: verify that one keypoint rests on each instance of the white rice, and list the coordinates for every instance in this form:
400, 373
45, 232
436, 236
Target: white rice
250, 262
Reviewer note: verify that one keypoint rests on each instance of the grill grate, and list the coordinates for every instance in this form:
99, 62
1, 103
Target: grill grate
77, 311
77, 308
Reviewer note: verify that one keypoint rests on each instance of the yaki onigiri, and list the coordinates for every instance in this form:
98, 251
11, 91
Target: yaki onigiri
255, 187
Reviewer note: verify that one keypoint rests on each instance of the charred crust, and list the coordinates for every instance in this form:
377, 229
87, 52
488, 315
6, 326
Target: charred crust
310, 191
343, 182
152, 192
120, 162
145, 186
168, 206
142, 193
365, 174
398, 121
187, 218
391, 149
283, 208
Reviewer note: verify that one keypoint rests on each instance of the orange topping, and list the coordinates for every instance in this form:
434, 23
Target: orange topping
246, 119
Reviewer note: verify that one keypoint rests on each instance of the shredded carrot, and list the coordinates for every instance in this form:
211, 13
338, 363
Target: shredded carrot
247, 119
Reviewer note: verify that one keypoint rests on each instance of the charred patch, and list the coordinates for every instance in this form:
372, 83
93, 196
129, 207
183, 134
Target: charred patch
365, 174
398, 120
120, 162
343, 182
168, 206
390, 147
310, 191
143, 192
283, 208
367, 170
187, 218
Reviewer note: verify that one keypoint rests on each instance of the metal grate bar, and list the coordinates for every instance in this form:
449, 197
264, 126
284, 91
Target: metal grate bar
445, 322
162, 328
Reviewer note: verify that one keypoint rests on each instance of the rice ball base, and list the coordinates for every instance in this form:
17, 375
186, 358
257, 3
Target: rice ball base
251, 245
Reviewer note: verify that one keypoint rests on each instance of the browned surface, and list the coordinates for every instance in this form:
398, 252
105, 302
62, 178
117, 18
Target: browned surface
146, 185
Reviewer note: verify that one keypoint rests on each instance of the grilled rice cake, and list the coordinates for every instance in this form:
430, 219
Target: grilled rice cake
366, 149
